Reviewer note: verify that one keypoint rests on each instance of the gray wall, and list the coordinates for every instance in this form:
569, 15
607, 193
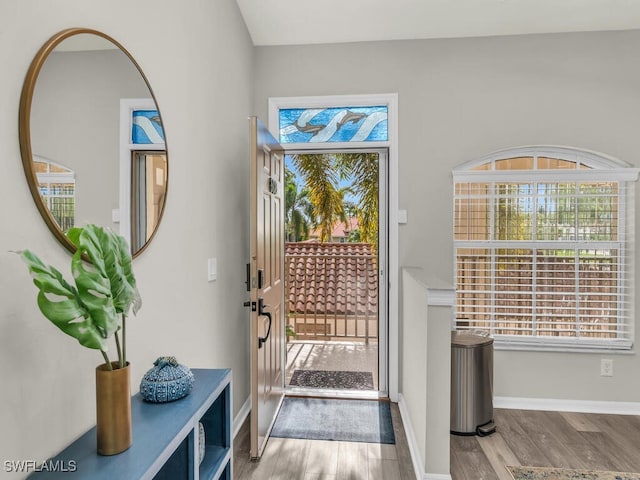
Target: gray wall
75, 121
463, 98
458, 99
198, 58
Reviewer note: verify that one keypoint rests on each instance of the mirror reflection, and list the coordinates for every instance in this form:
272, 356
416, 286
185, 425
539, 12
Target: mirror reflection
96, 141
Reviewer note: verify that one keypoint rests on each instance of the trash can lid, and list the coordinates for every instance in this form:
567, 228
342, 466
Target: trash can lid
465, 339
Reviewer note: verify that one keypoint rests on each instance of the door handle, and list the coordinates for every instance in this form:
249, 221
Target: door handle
248, 277
262, 312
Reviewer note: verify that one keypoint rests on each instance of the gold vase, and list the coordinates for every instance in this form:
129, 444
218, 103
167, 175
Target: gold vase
113, 409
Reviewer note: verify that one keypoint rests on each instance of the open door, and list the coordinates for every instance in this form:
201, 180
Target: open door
266, 283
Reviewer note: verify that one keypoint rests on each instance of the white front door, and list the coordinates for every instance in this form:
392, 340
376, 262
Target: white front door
267, 283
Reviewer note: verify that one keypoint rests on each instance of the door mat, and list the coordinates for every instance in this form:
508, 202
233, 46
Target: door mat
331, 419
337, 380
543, 473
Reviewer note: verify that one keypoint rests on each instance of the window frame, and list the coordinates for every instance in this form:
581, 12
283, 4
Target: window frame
68, 177
599, 168
127, 149
389, 357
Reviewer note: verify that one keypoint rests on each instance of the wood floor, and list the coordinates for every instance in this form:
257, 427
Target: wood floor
528, 438
292, 459
548, 439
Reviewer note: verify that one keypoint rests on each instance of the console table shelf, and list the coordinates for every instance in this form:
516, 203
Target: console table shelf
165, 438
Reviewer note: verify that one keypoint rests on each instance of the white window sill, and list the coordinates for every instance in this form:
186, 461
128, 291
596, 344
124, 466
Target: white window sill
532, 347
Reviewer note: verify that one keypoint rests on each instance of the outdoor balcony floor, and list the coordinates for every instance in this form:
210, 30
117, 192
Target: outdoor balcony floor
332, 356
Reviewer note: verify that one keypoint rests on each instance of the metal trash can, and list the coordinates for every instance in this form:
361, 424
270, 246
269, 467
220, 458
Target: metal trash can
471, 384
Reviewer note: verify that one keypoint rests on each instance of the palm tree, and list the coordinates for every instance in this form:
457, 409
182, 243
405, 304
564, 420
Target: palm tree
299, 211
321, 180
322, 174
363, 169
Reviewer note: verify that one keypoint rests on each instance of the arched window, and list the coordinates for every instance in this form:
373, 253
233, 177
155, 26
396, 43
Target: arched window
57, 185
543, 241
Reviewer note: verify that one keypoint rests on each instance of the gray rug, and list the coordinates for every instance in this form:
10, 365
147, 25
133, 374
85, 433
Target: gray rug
331, 419
544, 473
337, 380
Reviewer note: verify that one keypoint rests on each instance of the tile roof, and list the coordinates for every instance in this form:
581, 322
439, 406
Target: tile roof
339, 230
331, 278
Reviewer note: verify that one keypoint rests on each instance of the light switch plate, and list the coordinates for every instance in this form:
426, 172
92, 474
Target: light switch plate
115, 215
212, 269
402, 216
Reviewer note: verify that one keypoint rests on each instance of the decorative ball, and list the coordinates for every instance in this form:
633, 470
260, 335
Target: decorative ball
166, 381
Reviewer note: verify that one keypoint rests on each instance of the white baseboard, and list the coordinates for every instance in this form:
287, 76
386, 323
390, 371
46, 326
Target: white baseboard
416, 459
242, 416
558, 405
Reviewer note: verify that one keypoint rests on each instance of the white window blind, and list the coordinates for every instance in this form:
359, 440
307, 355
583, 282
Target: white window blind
57, 186
543, 244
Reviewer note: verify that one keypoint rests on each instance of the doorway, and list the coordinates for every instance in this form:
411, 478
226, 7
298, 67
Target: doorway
335, 269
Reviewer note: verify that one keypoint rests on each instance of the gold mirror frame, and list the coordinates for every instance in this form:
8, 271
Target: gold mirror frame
24, 130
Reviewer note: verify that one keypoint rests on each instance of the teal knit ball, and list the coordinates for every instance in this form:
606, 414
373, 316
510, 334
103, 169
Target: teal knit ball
166, 381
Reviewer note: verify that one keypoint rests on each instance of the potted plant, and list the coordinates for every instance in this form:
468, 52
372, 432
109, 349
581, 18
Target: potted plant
93, 311
290, 332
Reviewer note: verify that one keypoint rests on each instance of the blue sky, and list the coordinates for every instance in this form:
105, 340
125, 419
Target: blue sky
300, 180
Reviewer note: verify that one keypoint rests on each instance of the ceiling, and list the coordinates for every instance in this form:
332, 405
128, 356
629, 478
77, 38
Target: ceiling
293, 22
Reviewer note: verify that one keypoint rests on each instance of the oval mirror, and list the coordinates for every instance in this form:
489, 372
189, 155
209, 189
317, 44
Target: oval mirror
91, 137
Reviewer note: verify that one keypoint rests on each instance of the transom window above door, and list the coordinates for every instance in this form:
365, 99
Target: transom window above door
543, 241
333, 124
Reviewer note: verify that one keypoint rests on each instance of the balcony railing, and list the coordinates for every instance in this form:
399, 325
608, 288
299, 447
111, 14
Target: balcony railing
332, 291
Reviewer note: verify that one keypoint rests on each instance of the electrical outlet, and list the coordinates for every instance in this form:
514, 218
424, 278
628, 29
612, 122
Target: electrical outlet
606, 367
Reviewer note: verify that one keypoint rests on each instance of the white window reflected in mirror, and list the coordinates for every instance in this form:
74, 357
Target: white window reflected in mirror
57, 186
143, 170
149, 178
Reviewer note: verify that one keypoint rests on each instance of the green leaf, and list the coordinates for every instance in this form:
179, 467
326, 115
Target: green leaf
62, 305
109, 275
109, 255
123, 282
74, 235
105, 287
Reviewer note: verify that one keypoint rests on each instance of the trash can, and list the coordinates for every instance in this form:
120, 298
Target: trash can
471, 384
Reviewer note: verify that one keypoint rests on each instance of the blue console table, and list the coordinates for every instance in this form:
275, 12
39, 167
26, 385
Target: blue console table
165, 438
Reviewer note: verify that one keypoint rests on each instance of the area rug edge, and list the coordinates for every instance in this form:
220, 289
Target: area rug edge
542, 473
282, 427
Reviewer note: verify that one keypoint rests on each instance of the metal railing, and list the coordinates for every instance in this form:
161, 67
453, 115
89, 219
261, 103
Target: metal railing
332, 296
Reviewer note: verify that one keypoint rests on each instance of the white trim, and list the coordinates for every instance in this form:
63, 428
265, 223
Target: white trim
329, 393
594, 159
441, 298
560, 344
416, 459
620, 175
562, 405
242, 415
336, 146
41, 159
391, 100
66, 177
127, 106
383, 271
392, 248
